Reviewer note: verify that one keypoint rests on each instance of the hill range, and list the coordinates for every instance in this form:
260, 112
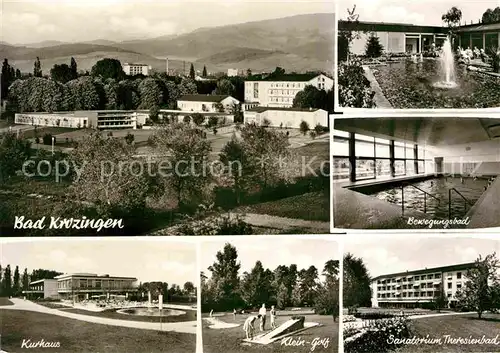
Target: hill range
297, 43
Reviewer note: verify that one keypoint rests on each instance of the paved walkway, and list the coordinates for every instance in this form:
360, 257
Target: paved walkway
182, 327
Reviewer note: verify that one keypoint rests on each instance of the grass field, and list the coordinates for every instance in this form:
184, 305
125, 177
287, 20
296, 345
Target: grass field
5, 302
231, 340
459, 326
82, 337
40, 131
314, 206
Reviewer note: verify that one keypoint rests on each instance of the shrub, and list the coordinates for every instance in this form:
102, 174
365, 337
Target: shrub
354, 87
266, 123
187, 119
129, 138
47, 139
373, 316
376, 336
217, 225
304, 127
373, 47
348, 318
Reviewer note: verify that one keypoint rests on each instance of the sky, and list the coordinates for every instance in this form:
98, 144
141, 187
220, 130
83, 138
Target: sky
384, 255
33, 21
418, 12
273, 252
169, 261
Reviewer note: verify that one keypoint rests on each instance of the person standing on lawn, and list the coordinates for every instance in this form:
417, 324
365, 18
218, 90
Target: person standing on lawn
272, 312
248, 326
262, 313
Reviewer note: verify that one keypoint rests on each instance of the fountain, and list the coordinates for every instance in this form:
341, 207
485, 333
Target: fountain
447, 61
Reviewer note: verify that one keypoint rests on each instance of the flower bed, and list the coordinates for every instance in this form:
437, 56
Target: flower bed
348, 318
376, 336
374, 316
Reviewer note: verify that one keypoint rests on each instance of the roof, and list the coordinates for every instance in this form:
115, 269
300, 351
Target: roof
135, 64
480, 27
211, 98
93, 275
41, 281
263, 109
390, 27
286, 77
457, 267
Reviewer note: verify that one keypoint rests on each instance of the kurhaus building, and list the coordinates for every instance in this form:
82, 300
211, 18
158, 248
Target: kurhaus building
411, 289
80, 286
414, 39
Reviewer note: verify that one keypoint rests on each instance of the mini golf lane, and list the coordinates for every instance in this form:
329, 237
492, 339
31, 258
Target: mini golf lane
181, 327
281, 332
217, 324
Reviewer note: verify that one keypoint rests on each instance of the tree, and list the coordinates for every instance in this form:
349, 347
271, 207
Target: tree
452, 18
129, 138
225, 87
43, 274
491, 16
37, 68
150, 93
188, 287
266, 150
25, 280
61, 73
304, 127
18, 73
477, 294
108, 68
198, 119
256, 286
187, 151
192, 73
186, 119
373, 47
282, 297
225, 280
14, 151
74, 68
16, 285
249, 72
311, 97
307, 279
204, 71
6, 79
110, 178
356, 283
85, 93
237, 111
440, 299
236, 161
347, 34
7, 281
186, 86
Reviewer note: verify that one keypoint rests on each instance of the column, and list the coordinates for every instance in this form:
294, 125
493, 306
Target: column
484, 41
352, 157
415, 154
391, 158
419, 43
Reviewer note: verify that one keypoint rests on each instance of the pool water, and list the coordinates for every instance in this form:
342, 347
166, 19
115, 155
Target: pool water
408, 84
414, 199
151, 312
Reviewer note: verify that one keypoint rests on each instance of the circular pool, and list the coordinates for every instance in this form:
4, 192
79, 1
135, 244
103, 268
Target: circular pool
145, 311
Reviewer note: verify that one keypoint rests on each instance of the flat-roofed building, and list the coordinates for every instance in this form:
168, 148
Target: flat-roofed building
133, 69
286, 117
78, 286
42, 288
411, 289
280, 90
97, 119
482, 36
206, 103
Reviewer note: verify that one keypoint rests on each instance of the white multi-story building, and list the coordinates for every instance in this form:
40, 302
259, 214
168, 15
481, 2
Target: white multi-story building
79, 286
136, 69
206, 103
411, 289
286, 117
100, 119
234, 72
280, 90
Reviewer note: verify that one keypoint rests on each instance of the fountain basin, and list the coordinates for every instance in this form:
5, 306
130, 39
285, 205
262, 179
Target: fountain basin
151, 311
445, 85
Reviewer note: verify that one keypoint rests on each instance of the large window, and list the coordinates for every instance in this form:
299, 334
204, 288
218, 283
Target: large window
373, 157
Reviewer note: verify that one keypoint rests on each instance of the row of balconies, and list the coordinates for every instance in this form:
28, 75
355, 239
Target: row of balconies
420, 278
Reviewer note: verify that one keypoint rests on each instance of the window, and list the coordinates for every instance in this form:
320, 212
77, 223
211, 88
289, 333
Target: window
449, 285
365, 169
459, 275
256, 90
399, 167
459, 286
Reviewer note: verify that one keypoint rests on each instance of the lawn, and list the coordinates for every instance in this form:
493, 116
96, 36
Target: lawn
5, 302
40, 131
314, 206
231, 340
82, 337
459, 326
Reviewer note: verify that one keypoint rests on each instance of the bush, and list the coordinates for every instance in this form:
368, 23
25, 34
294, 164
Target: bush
376, 337
348, 318
47, 139
304, 127
313, 134
217, 225
373, 316
373, 47
354, 87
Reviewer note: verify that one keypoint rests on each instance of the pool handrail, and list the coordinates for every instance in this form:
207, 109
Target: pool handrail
416, 187
466, 201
